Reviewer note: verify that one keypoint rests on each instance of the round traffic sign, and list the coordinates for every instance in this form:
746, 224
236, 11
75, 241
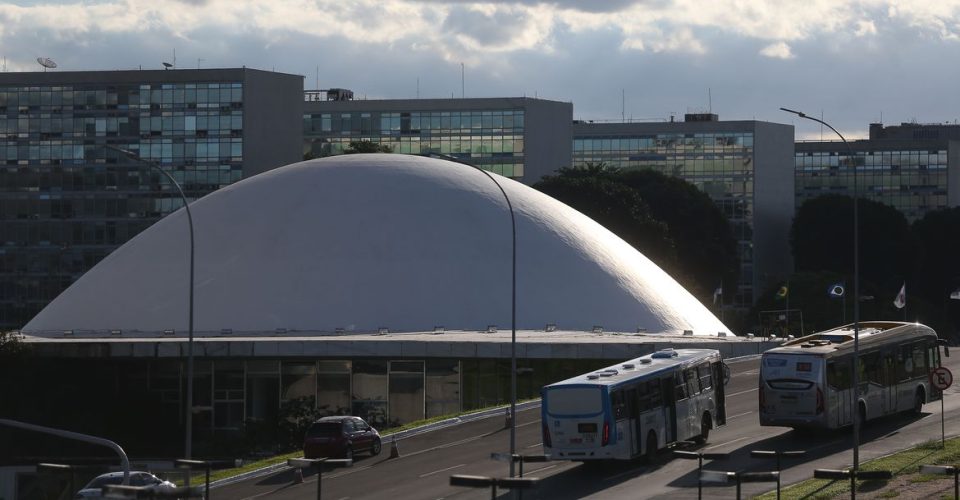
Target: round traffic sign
941, 378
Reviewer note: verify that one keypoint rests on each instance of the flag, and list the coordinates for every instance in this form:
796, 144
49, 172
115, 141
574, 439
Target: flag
836, 291
955, 294
901, 300
717, 293
782, 292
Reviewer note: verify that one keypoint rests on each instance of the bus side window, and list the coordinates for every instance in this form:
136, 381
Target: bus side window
706, 377
838, 374
919, 368
680, 387
617, 402
693, 381
653, 389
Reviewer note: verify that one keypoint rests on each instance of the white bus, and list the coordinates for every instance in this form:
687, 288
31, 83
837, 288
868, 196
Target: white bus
635, 408
808, 382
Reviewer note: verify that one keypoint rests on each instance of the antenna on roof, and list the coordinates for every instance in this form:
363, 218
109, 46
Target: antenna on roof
46, 62
709, 101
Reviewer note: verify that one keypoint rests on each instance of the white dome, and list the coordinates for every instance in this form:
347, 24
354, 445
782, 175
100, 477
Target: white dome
376, 240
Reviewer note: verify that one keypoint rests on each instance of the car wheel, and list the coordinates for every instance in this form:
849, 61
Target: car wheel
918, 402
375, 449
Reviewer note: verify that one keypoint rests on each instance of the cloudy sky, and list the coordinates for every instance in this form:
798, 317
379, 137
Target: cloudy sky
854, 61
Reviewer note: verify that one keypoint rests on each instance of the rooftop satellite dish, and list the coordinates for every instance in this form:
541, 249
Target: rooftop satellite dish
46, 62
167, 65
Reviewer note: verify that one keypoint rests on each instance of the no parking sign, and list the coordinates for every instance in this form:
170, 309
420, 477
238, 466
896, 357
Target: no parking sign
941, 378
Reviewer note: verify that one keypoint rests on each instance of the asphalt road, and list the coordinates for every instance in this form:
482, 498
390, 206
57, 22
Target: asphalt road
426, 461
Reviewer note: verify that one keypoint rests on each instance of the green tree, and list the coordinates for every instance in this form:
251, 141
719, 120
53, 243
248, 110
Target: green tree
617, 208
937, 273
359, 147
705, 243
822, 240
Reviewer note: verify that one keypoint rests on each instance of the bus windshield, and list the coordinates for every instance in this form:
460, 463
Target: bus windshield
570, 401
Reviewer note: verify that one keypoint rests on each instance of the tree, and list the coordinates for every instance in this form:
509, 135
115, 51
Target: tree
706, 246
617, 208
359, 147
937, 274
822, 240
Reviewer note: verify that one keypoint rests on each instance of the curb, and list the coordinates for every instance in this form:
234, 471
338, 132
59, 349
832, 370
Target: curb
443, 424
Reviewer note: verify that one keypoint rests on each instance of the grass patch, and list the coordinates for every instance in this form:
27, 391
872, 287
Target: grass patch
215, 475
904, 462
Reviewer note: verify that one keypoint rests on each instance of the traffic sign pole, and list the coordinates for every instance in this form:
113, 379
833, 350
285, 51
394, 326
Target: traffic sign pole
941, 378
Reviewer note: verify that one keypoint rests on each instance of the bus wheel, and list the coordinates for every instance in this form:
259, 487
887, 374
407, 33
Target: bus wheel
651, 450
918, 402
705, 426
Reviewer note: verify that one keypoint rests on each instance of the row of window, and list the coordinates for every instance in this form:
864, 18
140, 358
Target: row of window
427, 122
885, 368
131, 95
659, 142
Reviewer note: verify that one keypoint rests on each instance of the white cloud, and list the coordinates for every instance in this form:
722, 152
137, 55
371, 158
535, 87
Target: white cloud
865, 27
779, 50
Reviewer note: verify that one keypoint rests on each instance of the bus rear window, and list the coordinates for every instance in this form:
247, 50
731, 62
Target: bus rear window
574, 401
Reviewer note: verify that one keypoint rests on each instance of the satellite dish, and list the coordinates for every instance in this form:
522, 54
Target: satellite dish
167, 65
46, 62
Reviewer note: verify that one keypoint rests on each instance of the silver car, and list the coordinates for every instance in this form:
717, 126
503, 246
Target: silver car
94, 489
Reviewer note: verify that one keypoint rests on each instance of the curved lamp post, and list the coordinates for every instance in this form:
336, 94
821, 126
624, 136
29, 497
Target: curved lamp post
188, 446
513, 312
854, 405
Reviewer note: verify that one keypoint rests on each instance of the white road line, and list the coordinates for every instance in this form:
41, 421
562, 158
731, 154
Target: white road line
349, 471
634, 472
441, 470
540, 469
728, 442
739, 415
741, 392
529, 423
534, 445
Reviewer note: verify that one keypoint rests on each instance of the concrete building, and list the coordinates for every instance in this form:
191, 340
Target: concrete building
746, 167
66, 201
518, 137
378, 285
914, 168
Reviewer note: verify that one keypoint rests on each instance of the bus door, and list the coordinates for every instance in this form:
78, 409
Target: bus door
719, 380
890, 381
667, 390
839, 391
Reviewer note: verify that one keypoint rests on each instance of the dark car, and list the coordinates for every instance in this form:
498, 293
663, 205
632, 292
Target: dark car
340, 437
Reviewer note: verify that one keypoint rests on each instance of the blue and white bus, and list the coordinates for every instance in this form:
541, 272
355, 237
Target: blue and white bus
635, 408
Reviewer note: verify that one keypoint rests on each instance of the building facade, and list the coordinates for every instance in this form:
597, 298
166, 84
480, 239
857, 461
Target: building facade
66, 200
744, 166
521, 138
914, 168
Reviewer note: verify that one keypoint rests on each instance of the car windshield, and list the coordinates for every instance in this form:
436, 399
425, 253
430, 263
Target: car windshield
99, 482
324, 429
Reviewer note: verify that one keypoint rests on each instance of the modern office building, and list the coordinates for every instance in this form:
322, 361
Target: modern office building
746, 167
518, 137
914, 168
66, 200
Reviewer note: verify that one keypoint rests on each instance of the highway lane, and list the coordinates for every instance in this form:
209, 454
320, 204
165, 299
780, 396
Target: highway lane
427, 461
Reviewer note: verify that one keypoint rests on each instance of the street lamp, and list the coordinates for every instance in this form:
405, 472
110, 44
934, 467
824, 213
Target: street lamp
188, 446
513, 312
855, 404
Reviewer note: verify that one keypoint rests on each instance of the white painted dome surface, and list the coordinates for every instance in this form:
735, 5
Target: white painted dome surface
376, 240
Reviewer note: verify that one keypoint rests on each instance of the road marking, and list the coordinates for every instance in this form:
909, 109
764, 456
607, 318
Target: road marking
615, 476
534, 445
739, 415
351, 470
529, 423
728, 442
441, 470
741, 392
541, 469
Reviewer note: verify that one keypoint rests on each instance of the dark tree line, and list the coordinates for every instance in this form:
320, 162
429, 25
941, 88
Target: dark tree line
667, 219
923, 255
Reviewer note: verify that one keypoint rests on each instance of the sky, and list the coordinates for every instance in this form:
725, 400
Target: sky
851, 62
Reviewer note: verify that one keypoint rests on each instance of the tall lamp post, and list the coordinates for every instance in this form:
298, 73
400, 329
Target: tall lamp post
513, 312
188, 446
855, 404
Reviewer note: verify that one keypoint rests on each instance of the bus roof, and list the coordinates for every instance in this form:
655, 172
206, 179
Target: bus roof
640, 367
840, 339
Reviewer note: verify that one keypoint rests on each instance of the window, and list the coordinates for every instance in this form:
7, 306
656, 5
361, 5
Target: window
680, 386
706, 376
838, 374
